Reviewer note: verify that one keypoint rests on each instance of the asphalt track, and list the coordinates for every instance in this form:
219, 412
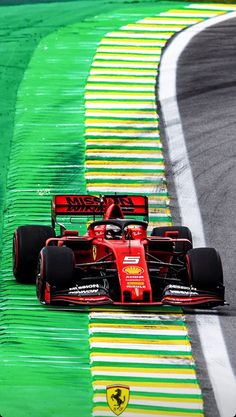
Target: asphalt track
206, 83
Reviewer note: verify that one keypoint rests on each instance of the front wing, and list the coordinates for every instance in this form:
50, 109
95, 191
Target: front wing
172, 295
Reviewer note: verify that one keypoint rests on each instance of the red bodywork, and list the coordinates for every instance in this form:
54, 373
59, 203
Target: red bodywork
139, 269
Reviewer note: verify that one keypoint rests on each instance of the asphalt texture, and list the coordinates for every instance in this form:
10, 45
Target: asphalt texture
206, 95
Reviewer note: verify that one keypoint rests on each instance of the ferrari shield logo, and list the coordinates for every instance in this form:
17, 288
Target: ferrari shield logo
94, 252
117, 398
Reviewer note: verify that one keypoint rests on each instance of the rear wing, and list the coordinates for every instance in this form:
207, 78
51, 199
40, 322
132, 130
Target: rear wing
84, 205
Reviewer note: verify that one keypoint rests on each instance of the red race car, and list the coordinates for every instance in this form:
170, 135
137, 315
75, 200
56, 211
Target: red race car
115, 262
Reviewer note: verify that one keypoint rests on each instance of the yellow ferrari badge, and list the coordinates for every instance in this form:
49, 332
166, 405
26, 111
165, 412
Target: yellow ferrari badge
117, 398
94, 253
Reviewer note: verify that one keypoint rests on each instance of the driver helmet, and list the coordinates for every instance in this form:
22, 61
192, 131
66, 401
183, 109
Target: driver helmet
113, 232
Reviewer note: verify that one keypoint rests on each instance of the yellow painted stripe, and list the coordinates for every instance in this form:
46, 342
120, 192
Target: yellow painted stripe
137, 163
128, 144
170, 20
124, 187
118, 104
121, 140
140, 412
134, 57
120, 175
112, 71
169, 399
124, 41
138, 341
125, 34
124, 122
120, 87
119, 79
120, 113
143, 384
119, 95
125, 64
142, 50
155, 370
186, 356
138, 326
156, 28
159, 398
124, 151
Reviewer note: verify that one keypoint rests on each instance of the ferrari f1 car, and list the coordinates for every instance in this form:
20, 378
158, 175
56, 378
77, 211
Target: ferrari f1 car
115, 261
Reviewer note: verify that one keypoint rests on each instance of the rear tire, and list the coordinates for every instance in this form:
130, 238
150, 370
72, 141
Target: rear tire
183, 233
56, 267
27, 243
205, 269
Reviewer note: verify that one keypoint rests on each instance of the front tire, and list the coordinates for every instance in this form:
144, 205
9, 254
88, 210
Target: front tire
205, 269
56, 268
27, 243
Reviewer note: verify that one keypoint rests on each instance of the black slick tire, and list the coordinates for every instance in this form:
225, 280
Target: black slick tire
27, 243
57, 267
205, 269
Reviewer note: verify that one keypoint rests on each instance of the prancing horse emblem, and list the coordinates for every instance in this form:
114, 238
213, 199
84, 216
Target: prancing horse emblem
94, 252
117, 398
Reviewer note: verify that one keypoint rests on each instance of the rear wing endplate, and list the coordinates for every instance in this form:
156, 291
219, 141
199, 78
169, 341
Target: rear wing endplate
84, 205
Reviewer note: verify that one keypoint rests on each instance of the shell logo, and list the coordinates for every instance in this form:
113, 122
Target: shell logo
133, 270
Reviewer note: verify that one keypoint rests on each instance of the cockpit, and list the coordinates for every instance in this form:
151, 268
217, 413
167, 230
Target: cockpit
118, 229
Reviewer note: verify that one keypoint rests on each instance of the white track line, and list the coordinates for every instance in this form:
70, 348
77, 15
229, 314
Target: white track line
215, 351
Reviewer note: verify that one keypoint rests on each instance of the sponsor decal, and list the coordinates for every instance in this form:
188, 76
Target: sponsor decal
180, 290
139, 284
84, 289
134, 277
94, 252
117, 398
83, 204
93, 204
135, 286
133, 270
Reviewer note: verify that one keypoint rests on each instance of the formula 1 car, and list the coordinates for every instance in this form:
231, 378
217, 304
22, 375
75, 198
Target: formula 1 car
115, 262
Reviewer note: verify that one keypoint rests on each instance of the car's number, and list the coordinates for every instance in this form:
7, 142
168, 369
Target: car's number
131, 260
